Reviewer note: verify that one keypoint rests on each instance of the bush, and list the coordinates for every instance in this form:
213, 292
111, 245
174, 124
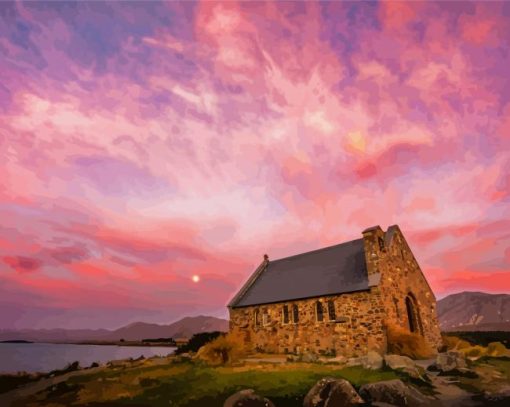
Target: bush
222, 350
197, 341
483, 338
497, 349
455, 343
405, 343
474, 352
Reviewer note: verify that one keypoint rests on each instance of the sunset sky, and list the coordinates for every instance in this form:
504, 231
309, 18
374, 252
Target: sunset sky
143, 144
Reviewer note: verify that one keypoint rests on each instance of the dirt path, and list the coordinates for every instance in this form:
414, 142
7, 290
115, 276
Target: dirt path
6, 399
449, 394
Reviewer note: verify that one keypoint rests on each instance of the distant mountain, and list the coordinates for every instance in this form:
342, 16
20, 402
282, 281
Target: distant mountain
183, 328
474, 311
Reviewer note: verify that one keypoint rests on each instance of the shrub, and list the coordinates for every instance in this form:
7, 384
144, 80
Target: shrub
403, 342
455, 343
197, 341
474, 352
222, 350
497, 349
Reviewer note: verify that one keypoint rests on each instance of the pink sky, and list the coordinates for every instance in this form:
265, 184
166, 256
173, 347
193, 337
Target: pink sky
143, 144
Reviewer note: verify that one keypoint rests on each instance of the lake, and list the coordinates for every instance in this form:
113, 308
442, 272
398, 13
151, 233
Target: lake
44, 357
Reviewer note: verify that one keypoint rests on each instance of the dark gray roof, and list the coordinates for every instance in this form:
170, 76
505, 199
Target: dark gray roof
331, 270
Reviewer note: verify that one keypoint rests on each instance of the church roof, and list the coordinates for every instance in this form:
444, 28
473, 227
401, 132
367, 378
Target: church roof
331, 270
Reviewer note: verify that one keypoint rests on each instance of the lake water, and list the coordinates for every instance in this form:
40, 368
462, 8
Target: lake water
44, 357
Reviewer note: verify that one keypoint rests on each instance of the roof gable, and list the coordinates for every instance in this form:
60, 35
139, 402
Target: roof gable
331, 270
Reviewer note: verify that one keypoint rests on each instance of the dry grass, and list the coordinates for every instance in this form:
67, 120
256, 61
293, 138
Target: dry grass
497, 349
403, 342
494, 349
455, 343
222, 350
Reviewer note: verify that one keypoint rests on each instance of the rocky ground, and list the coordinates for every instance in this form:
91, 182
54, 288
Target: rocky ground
279, 381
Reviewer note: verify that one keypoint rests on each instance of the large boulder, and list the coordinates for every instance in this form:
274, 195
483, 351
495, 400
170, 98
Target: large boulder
372, 360
404, 364
247, 398
330, 392
449, 361
309, 358
393, 392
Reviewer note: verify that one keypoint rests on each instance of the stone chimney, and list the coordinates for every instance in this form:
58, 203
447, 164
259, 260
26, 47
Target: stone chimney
375, 249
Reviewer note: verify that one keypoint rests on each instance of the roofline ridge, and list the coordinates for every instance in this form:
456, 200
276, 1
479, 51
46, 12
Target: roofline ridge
313, 251
247, 285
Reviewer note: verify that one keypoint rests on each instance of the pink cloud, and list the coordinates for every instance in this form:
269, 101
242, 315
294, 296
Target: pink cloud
190, 139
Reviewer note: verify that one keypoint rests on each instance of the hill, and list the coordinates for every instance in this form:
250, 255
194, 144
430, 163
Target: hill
474, 311
183, 328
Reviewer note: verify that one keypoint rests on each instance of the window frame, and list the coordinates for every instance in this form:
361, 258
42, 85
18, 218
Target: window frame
256, 318
331, 310
295, 314
266, 318
285, 313
319, 305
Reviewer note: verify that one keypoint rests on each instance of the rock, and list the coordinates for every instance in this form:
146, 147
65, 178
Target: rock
404, 364
309, 358
372, 361
330, 392
354, 362
337, 359
393, 392
449, 361
462, 372
247, 398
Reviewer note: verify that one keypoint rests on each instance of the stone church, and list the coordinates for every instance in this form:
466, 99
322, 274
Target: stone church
336, 300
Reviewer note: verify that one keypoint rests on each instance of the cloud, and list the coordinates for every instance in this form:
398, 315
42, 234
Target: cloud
22, 263
144, 144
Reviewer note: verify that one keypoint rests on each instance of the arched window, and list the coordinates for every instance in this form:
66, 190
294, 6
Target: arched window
410, 315
295, 313
266, 319
286, 318
381, 243
256, 317
331, 310
319, 311
413, 314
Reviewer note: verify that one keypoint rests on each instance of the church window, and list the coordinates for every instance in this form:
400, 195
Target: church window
319, 311
286, 318
266, 319
331, 310
256, 317
295, 313
381, 244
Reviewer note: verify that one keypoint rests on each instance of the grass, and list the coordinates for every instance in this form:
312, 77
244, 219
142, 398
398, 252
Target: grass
192, 384
11, 381
493, 372
482, 338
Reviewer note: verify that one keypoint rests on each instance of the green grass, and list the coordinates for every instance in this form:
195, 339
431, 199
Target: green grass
193, 385
493, 372
10, 381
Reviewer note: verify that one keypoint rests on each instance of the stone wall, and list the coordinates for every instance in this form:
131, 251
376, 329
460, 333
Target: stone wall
389, 255
358, 326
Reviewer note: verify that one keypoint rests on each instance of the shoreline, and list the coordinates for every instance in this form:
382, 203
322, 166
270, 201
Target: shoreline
99, 343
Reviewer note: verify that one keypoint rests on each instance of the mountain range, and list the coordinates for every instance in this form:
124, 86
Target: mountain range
465, 311
184, 328
474, 311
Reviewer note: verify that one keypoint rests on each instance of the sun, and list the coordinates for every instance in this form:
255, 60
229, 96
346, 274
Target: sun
195, 278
